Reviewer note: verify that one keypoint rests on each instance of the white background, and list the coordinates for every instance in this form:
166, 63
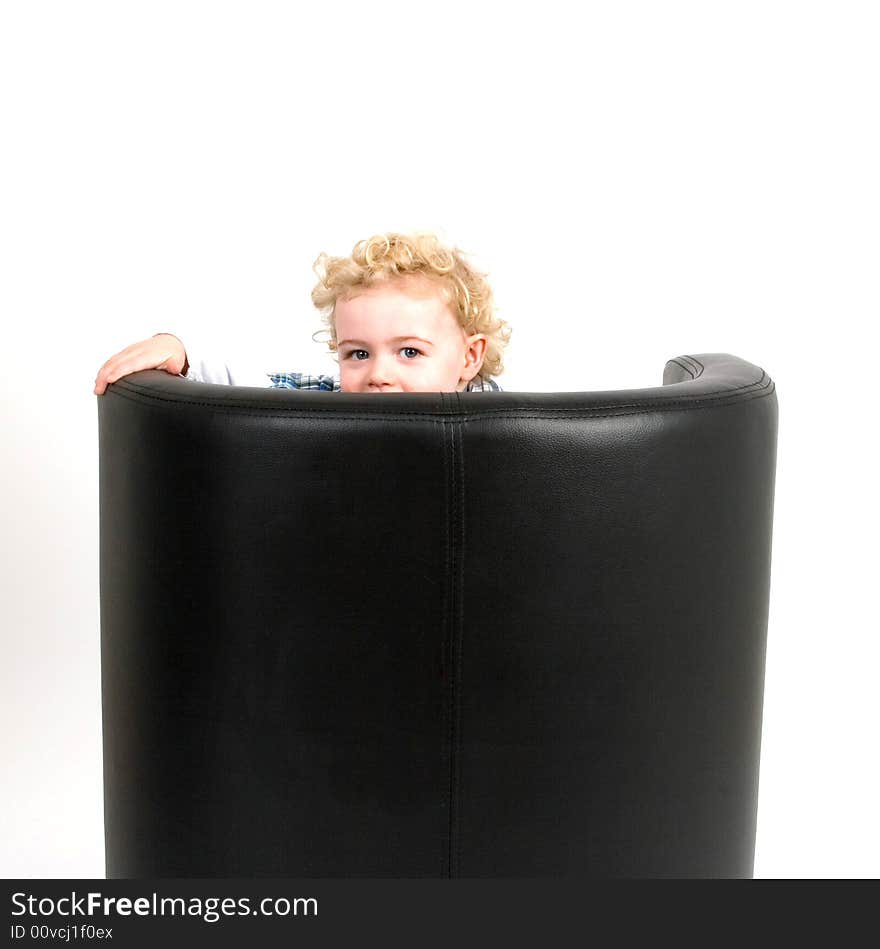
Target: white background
641, 180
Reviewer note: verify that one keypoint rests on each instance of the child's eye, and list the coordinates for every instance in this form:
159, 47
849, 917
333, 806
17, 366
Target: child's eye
354, 353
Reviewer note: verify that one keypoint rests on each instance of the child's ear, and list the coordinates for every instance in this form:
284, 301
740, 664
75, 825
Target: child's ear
477, 345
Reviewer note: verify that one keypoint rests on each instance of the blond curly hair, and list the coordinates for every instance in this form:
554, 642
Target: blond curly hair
391, 256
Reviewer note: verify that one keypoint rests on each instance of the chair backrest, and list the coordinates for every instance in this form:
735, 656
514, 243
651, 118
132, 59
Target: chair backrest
435, 634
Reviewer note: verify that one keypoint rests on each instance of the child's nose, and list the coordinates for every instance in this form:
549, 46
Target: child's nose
381, 374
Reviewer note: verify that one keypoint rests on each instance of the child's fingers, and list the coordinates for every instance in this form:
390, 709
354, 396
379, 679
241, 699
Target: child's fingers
112, 370
144, 355
103, 378
126, 368
117, 366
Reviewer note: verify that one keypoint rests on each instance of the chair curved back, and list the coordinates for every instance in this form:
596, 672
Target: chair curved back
435, 634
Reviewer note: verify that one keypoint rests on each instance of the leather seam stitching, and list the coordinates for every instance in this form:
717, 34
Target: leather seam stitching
546, 413
451, 672
445, 659
459, 665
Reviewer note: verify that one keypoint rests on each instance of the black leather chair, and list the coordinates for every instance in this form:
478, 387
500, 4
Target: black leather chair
435, 634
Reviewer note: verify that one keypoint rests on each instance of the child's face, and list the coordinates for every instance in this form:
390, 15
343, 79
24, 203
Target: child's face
402, 337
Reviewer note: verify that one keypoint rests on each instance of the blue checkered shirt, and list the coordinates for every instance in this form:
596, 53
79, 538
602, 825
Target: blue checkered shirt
301, 380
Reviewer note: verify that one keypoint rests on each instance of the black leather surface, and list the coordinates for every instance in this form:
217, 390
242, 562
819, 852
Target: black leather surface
426, 635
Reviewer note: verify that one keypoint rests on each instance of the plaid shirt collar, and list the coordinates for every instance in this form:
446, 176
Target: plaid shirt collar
302, 380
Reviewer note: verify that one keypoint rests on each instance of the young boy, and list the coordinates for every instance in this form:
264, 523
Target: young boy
404, 314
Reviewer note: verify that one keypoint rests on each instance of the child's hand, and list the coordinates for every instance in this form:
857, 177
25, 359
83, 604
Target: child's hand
162, 351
